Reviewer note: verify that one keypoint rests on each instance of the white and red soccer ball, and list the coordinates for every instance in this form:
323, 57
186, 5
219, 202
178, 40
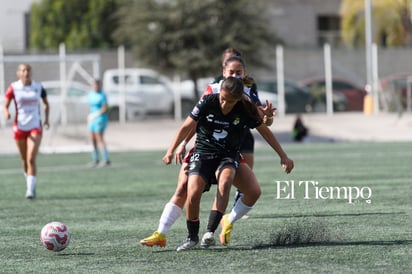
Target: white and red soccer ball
55, 236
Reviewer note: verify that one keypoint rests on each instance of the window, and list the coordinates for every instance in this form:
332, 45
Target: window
128, 79
149, 80
328, 30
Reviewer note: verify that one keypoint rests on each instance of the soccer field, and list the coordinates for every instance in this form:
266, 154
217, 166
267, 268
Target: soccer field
345, 208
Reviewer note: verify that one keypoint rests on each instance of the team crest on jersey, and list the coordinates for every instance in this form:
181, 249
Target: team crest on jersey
236, 121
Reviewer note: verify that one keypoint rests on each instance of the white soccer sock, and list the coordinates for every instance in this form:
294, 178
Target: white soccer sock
31, 183
238, 211
170, 214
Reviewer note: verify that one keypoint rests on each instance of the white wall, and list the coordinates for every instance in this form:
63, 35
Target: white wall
12, 29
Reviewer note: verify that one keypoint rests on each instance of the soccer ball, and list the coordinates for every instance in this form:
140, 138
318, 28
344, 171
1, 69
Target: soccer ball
55, 236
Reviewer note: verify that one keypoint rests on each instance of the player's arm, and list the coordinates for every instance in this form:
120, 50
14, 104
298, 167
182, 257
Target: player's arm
188, 125
270, 138
8, 97
46, 107
6, 105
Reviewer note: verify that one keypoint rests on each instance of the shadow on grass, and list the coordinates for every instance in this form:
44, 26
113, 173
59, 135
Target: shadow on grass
76, 254
332, 243
303, 233
277, 216
292, 245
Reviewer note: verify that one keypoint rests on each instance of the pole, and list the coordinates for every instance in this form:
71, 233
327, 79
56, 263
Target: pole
63, 96
375, 78
280, 81
368, 50
122, 85
328, 79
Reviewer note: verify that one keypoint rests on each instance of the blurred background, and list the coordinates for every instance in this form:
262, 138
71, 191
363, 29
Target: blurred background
168, 51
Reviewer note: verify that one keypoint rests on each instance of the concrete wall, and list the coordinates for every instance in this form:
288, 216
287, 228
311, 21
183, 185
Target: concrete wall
295, 21
12, 24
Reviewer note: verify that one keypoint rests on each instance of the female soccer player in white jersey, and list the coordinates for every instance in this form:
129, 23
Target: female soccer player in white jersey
27, 126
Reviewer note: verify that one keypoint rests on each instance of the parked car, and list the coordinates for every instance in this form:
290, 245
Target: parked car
146, 88
297, 98
394, 89
75, 108
186, 87
346, 95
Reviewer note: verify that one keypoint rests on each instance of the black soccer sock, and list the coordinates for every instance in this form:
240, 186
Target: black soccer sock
214, 220
193, 229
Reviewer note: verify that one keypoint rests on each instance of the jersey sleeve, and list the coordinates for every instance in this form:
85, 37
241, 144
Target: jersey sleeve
9, 92
43, 92
199, 108
104, 98
208, 90
254, 97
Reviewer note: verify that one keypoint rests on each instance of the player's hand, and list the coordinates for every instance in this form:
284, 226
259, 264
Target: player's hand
268, 110
46, 124
6, 113
287, 164
180, 154
167, 159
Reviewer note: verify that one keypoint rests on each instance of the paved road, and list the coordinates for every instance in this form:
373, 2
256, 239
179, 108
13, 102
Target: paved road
157, 133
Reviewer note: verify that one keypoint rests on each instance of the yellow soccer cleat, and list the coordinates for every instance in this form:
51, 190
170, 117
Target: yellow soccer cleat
226, 230
157, 238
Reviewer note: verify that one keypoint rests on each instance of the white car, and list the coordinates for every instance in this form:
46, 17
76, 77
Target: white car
144, 89
75, 108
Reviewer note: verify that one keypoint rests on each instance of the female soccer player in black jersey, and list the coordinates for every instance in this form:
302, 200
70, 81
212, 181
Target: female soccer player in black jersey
244, 175
220, 121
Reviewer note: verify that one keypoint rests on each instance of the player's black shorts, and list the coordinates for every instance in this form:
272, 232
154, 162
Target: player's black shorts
248, 144
207, 165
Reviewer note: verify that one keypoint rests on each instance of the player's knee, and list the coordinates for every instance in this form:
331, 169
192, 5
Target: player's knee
253, 194
181, 193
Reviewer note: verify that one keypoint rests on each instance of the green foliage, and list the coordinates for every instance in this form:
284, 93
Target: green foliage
190, 35
110, 209
77, 23
391, 22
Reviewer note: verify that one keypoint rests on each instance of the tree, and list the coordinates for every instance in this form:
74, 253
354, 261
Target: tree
80, 24
391, 20
188, 36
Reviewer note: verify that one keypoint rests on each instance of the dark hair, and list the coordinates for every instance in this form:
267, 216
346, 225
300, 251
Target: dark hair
251, 109
234, 59
234, 86
231, 51
247, 81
